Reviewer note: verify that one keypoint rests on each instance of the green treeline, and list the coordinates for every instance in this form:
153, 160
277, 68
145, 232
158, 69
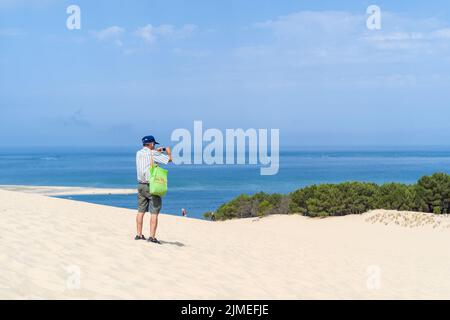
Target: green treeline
429, 194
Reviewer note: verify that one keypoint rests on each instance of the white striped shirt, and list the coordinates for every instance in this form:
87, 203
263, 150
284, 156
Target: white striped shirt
143, 162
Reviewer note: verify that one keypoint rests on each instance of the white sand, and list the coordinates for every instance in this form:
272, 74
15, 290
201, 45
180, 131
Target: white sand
66, 191
45, 241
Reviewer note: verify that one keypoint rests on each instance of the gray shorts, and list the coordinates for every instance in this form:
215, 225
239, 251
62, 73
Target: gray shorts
148, 202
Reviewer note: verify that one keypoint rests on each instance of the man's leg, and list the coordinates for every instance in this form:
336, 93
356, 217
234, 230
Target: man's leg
153, 224
139, 223
143, 202
155, 204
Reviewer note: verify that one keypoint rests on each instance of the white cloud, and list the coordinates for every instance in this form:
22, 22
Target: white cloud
343, 36
113, 33
398, 36
147, 33
441, 34
152, 33
336, 48
313, 24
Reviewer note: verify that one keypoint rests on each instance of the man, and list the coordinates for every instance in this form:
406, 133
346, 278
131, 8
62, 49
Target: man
146, 201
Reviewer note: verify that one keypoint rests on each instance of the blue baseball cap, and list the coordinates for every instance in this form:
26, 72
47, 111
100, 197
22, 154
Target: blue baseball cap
148, 139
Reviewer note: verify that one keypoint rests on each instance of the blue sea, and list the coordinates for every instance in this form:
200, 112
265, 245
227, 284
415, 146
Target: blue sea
201, 188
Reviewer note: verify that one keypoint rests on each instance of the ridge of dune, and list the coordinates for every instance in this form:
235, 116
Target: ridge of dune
65, 191
62, 249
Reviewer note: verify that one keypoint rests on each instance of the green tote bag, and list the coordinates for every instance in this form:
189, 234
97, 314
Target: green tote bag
158, 180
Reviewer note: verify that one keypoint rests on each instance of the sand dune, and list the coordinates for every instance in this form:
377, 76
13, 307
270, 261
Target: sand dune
61, 249
65, 191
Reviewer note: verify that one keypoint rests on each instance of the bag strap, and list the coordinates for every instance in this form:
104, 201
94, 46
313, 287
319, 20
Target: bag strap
152, 162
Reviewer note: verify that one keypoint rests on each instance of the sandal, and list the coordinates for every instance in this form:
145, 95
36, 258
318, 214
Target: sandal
154, 240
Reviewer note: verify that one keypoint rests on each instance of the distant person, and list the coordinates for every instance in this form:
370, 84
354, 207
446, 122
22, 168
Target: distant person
213, 216
184, 212
146, 201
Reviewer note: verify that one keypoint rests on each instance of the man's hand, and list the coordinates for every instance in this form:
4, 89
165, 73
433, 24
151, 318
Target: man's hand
167, 150
169, 153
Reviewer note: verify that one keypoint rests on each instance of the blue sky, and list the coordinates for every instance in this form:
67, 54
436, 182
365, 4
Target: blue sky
310, 68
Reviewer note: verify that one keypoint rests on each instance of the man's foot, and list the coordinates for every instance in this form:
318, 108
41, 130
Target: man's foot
140, 238
154, 240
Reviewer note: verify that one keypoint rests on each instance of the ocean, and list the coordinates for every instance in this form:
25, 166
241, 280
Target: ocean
201, 188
